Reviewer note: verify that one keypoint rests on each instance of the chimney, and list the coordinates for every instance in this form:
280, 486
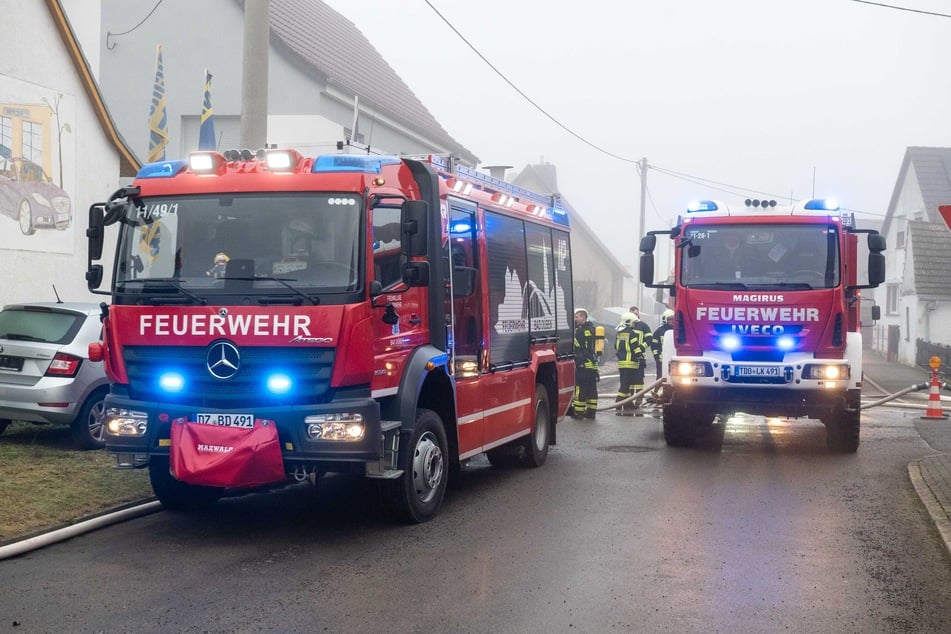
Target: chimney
497, 171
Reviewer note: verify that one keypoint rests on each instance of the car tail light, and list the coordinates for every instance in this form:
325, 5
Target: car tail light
64, 365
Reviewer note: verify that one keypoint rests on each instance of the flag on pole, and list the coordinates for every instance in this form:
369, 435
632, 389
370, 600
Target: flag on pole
206, 133
158, 119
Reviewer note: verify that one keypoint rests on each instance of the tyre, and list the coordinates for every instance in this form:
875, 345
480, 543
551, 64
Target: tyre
25, 217
536, 444
842, 431
176, 495
87, 430
4, 423
416, 496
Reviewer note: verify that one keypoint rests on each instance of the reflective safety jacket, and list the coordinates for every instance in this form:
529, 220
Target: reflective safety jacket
585, 355
632, 344
657, 340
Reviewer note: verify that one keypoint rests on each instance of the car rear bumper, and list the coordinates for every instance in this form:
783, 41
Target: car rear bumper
23, 402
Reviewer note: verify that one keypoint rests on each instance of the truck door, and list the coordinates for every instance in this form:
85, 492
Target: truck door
465, 316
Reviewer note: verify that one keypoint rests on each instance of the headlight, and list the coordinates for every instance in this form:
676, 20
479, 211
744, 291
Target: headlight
341, 426
123, 422
691, 368
831, 372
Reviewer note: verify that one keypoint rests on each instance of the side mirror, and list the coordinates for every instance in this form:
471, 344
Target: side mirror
648, 243
94, 276
876, 268
876, 242
414, 223
876, 312
95, 234
647, 268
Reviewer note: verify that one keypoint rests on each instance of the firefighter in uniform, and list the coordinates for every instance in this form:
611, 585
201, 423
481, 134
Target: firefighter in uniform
657, 347
586, 367
632, 342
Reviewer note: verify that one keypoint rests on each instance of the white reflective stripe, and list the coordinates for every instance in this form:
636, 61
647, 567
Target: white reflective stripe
493, 445
390, 391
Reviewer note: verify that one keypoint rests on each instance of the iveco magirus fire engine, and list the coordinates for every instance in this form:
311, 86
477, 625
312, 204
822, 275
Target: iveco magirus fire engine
766, 301
277, 317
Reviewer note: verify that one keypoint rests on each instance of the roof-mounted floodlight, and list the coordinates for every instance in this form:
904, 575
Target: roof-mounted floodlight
284, 160
206, 162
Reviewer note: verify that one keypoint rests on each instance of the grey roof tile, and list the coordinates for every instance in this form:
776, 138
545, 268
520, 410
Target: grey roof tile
931, 250
336, 49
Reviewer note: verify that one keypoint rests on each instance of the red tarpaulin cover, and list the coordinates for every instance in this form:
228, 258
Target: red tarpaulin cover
218, 456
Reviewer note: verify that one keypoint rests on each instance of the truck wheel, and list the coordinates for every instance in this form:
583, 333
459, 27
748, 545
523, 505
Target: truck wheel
531, 450
679, 429
87, 430
4, 423
842, 431
536, 444
416, 496
176, 495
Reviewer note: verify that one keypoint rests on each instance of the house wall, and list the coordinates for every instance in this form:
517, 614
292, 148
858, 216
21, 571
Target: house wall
40, 91
196, 36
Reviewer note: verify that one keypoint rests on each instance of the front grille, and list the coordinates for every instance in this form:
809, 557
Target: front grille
309, 368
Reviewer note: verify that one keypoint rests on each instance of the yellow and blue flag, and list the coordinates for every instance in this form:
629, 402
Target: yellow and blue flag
206, 133
158, 119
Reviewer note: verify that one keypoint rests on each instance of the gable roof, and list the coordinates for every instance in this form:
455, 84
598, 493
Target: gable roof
932, 167
340, 54
128, 163
543, 179
930, 247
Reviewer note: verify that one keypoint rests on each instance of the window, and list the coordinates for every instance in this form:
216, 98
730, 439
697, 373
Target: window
900, 233
891, 300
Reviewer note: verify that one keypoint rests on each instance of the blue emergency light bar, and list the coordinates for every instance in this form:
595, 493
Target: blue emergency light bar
162, 169
822, 204
702, 205
352, 163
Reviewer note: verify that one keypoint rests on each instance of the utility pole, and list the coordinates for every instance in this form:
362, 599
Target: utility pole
254, 67
640, 233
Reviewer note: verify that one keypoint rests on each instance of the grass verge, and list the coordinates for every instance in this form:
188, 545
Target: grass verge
45, 483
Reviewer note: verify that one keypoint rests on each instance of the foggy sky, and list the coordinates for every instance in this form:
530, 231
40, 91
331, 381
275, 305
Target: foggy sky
763, 98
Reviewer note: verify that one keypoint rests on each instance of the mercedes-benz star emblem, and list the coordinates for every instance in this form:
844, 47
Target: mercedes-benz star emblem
223, 360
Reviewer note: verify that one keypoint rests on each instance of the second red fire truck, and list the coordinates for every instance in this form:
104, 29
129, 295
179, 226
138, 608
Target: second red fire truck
767, 318
279, 317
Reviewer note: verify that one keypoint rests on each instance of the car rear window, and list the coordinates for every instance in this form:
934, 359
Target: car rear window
39, 325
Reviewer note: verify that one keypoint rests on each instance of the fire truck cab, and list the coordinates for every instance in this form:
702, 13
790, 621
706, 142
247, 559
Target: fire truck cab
380, 316
767, 320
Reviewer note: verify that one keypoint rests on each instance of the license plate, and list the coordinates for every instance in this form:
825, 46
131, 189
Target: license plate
226, 420
11, 363
757, 370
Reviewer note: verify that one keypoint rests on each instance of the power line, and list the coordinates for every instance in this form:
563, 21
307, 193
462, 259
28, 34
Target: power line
524, 96
897, 8
704, 182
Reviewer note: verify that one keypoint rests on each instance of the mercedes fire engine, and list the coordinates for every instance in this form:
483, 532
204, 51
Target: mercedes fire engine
766, 301
276, 317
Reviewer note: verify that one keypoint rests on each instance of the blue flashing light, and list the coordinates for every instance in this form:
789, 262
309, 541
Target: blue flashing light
172, 382
822, 204
730, 343
163, 169
352, 163
279, 383
460, 227
701, 205
786, 343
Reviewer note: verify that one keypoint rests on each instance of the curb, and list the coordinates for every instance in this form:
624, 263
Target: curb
937, 512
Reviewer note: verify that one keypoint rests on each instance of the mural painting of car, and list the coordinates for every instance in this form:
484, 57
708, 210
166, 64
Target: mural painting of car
30, 197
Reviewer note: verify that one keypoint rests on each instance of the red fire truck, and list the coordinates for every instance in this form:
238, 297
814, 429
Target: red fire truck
276, 317
766, 301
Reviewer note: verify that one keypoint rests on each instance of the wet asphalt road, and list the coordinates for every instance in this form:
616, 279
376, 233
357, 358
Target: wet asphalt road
761, 530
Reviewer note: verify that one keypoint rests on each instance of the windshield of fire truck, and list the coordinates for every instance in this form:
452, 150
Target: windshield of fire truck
200, 241
755, 255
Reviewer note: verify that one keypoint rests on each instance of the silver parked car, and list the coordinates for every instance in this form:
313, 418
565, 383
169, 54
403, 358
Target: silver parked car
45, 372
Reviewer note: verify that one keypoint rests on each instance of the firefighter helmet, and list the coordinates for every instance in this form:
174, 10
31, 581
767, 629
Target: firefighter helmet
582, 310
667, 316
627, 320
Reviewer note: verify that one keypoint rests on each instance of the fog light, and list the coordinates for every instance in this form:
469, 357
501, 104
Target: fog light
342, 426
123, 422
